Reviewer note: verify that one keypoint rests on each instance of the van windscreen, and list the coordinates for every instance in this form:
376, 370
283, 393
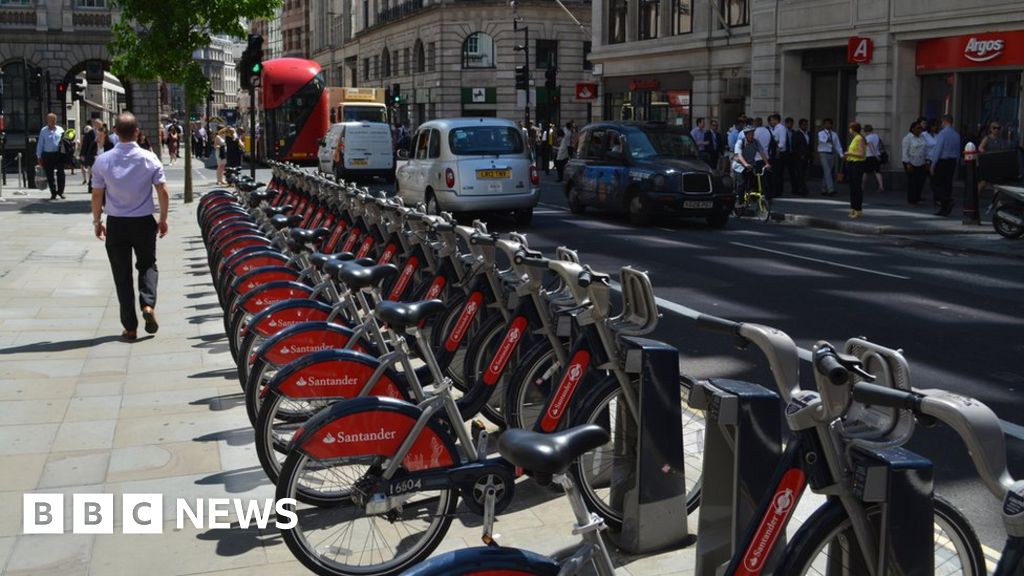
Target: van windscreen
485, 141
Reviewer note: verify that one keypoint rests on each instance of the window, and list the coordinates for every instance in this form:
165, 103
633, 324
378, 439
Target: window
587, 64
593, 148
736, 12
422, 140
15, 2
385, 63
366, 14
376, 66
434, 151
650, 19
617, 12
485, 140
87, 3
421, 57
366, 68
405, 61
478, 51
682, 23
547, 54
432, 57
395, 61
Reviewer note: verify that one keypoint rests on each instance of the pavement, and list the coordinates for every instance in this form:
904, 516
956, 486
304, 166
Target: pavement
81, 411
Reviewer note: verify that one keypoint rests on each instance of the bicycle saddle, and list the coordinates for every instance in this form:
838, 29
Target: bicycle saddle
319, 260
549, 453
282, 221
400, 315
272, 211
358, 277
308, 235
264, 194
334, 265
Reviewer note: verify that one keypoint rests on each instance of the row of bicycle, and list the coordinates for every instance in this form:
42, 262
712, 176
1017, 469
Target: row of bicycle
368, 333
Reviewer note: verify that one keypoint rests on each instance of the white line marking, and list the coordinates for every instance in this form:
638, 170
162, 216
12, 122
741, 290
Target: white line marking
820, 261
1009, 428
553, 206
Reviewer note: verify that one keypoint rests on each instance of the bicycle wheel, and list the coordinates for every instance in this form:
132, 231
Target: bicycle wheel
764, 208
530, 386
595, 470
479, 396
343, 539
278, 419
825, 544
484, 561
739, 209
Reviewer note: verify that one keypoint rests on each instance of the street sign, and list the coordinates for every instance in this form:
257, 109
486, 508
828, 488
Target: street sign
586, 91
859, 50
479, 95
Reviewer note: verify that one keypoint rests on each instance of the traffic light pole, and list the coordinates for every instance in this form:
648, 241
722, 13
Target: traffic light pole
526, 52
252, 132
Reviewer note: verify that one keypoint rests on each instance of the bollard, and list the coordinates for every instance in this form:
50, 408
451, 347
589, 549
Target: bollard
970, 210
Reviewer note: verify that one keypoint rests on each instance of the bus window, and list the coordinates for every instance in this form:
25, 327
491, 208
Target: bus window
365, 114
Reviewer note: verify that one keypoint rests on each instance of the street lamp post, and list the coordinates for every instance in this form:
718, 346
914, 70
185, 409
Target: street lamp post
3, 137
526, 52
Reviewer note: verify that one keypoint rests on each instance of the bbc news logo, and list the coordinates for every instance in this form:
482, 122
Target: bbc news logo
144, 513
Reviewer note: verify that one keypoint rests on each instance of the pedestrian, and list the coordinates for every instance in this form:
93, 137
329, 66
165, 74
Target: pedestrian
50, 157
780, 154
801, 156
68, 144
144, 141
943, 158
856, 153
713, 144
991, 141
123, 183
873, 162
736, 132
830, 150
172, 142
562, 156
547, 147
233, 149
88, 137
219, 146
930, 129
915, 162
698, 134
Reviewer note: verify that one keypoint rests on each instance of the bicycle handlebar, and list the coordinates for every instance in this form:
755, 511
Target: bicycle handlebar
827, 364
716, 324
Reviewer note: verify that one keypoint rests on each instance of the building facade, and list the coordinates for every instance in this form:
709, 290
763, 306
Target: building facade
449, 58
43, 44
880, 62
295, 29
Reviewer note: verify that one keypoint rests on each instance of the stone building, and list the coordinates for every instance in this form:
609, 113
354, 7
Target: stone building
447, 58
45, 43
881, 62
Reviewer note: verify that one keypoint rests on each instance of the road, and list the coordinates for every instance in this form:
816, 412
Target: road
957, 317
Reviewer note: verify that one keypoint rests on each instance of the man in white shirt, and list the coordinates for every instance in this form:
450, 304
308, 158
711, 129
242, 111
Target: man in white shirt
49, 157
830, 149
781, 161
698, 135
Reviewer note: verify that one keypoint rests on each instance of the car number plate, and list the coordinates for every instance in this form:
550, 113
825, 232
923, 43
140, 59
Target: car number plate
699, 204
493, 174
360, 162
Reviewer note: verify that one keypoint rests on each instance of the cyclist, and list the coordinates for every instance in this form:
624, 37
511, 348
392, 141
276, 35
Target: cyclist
748, 158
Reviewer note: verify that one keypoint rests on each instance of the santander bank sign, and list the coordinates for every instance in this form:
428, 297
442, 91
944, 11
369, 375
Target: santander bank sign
971, 51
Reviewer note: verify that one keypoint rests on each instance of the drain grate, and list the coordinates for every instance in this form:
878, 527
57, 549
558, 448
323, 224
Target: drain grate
56, 256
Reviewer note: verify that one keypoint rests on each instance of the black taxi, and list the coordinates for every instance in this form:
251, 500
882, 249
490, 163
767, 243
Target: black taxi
643, 169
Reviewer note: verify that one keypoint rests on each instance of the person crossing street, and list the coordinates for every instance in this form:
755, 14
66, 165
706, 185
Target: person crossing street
122, 187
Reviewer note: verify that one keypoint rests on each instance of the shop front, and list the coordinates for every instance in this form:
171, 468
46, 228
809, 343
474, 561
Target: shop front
654, 97
977, 79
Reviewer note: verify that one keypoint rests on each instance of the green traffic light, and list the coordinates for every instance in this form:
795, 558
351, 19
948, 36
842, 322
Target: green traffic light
257, 67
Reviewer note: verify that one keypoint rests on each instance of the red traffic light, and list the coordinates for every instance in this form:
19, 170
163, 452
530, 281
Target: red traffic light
61, 88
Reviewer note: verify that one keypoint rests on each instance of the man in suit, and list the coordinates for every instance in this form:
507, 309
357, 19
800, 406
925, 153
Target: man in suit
713, 145
800, 156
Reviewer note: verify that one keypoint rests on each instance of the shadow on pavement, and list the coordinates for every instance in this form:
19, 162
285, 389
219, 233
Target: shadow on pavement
221, 403
40, 347
236, 541
225, 373
57, 207
237, 481
235, 437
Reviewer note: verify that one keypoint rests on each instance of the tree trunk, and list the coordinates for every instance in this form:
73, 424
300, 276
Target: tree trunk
187, 137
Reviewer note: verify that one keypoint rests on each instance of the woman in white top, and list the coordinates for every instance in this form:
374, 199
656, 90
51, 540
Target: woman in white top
220, 149
915, 162
873, 157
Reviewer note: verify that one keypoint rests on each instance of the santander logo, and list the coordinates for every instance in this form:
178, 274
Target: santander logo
344, 438
314, 381
984, 50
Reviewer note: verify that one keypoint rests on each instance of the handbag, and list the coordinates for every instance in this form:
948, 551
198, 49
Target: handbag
40, 178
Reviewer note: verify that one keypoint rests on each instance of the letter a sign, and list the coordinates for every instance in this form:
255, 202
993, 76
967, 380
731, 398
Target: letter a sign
859, 50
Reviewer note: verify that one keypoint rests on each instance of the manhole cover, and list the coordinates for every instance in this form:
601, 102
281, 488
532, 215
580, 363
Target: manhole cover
66, 256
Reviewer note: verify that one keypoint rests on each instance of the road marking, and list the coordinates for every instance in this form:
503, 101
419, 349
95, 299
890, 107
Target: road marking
544, 212
1009, 428
553, 206
820, 261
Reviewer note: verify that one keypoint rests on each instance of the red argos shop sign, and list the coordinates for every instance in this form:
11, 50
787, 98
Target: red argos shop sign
990, 49
860, 50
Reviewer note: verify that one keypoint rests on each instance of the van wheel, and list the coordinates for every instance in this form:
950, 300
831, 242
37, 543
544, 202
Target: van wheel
523, 217
572, 195
432, 207
390, 178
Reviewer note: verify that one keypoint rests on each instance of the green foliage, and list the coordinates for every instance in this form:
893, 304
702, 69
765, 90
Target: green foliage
156, 38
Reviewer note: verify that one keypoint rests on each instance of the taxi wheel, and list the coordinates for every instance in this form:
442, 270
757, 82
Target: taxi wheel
432, 207
576, 205
638, 215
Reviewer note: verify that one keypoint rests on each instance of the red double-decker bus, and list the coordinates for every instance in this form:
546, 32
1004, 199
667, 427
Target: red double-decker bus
295, 109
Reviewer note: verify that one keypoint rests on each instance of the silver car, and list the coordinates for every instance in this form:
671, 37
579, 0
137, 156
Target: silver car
468, 165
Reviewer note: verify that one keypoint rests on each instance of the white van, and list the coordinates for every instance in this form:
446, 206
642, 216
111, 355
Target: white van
358, 149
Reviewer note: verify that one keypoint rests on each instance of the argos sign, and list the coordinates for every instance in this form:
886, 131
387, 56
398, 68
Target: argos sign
971, 51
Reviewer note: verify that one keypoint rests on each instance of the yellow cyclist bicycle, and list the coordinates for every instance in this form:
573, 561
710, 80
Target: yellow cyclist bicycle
753, 200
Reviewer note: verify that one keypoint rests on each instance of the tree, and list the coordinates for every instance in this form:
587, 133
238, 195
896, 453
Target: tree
155, 39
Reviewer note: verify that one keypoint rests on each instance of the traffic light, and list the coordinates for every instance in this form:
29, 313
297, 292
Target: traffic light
522, 78
62, 91
551, 78
250, 65
78, 89
396, 94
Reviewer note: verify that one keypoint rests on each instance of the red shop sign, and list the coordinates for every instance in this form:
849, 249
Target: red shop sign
586, 91
971, 51
643, 85
860, 50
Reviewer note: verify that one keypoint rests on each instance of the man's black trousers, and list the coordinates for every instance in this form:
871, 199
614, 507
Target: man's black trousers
53, 164
125, 234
